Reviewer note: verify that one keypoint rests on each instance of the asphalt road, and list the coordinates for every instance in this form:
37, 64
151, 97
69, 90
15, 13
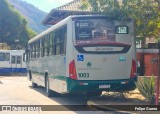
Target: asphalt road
17, 90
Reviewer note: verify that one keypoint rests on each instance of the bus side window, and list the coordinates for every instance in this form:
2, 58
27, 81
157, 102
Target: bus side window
7, 57
61, 35
64, 38
57, 42
13, 59
28, 53
46, 45
54, 43
2, 56
42, 47
36, 43
34, 49
19, 59
31, 51
50, 44
38, 48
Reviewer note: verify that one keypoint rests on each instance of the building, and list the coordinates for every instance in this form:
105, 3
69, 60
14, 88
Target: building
71, 8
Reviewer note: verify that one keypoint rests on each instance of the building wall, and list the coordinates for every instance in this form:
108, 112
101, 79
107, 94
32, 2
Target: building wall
147, 59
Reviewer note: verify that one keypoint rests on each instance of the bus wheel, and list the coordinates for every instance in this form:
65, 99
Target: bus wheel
34, 85
48, 91
94, 94
30, 75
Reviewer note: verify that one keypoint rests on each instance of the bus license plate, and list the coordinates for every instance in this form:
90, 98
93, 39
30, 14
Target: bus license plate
104, 86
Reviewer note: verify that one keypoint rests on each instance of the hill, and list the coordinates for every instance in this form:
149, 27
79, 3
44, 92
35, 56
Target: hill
33, 15
13, 26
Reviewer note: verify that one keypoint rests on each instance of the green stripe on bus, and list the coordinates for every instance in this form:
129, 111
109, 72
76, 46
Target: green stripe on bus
59, 77
38, 73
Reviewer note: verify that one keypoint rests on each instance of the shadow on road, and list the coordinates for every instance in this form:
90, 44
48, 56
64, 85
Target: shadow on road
74, 102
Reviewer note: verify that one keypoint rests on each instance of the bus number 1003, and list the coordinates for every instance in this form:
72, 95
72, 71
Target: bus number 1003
83, 75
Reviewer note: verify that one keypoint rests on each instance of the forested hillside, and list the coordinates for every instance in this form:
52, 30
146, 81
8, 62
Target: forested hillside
13, 26
33, 15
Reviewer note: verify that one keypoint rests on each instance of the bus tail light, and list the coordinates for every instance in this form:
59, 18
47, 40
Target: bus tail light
72, 70
133, 69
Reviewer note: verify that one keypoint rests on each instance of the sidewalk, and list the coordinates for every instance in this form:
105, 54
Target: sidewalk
113, 103
100, 105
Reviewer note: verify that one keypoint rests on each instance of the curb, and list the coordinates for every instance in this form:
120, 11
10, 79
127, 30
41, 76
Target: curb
102, 107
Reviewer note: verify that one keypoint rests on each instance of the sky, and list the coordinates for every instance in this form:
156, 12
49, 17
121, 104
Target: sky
47, 5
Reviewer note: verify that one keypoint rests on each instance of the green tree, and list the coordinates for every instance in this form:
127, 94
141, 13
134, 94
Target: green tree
145, 13
13, 26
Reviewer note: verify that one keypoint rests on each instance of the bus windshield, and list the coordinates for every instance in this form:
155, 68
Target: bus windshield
94, 31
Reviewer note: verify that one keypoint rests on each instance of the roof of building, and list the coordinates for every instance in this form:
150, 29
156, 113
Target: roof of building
72, 8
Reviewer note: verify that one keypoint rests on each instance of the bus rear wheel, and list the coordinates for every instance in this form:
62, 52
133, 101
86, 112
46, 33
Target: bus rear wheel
34, 85
48, 91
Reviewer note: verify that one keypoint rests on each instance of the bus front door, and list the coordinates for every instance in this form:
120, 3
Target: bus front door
16, 63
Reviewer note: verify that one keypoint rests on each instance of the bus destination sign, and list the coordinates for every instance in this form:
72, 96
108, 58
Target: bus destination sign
122, 30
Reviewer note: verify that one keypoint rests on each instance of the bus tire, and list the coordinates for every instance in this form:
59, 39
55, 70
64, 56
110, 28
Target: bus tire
34, 85
94, 94
30, 75
48, 91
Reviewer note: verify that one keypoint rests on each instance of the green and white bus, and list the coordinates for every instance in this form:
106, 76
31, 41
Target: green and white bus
84, 53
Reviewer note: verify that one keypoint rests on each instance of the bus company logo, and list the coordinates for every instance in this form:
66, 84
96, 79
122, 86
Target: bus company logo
89, 64
80, 57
